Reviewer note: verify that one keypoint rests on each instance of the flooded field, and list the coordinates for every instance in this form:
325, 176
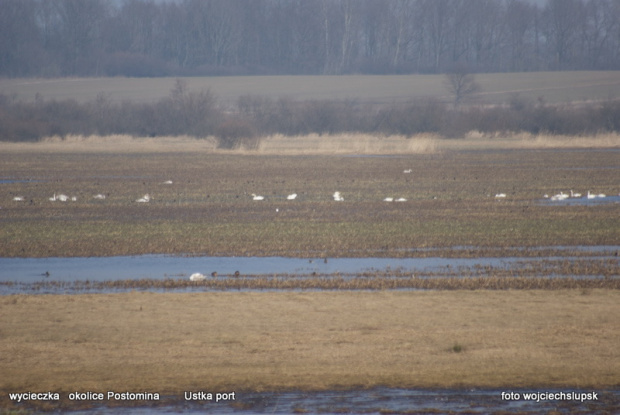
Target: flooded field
475, 280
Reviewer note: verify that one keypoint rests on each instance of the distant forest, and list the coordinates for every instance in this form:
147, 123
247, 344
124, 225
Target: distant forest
52, 38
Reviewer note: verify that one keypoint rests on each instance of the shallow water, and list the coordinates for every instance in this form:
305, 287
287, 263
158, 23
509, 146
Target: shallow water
582, 201
5, 180
385, 400
19, 275
29, 270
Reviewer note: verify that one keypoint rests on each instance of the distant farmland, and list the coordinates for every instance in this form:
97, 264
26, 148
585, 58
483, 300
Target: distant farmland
553, 87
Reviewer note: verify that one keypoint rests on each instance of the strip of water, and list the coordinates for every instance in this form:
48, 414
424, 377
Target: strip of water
30, 270
394, 401
159, 272
582, 201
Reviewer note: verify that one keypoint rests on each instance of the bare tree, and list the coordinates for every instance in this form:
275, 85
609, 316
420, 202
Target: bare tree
460, 83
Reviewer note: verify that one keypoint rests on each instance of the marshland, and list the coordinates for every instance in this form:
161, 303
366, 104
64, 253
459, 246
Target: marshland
545, 322
484, 276
336, 207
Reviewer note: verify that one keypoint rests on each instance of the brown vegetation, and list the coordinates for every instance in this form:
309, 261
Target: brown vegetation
200, 114
336, 282
208, 210
168, 343
506, 333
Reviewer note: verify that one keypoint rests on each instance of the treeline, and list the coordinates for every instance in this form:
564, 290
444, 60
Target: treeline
199, 114
53, 38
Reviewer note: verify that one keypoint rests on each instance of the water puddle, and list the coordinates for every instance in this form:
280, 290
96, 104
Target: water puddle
395, 401
581, 201
5, 180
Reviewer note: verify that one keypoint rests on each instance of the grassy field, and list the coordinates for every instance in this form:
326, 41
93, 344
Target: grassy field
554, 87
208, 208
222, 342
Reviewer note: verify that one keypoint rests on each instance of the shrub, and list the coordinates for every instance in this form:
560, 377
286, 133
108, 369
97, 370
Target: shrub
198, 113
234, 132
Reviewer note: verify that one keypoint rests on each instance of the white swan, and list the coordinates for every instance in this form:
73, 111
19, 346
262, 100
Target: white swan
500, 195
256, 197
18, 198
62, 198
168, 182
573, 194
99, 196
388, 199
559, 196
292, 196
401, 199
338, 197
144, 199
407, 171
197, 276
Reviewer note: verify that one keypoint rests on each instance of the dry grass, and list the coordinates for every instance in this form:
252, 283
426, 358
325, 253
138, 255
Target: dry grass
273, 145
314, 144
168, 343
476, 140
